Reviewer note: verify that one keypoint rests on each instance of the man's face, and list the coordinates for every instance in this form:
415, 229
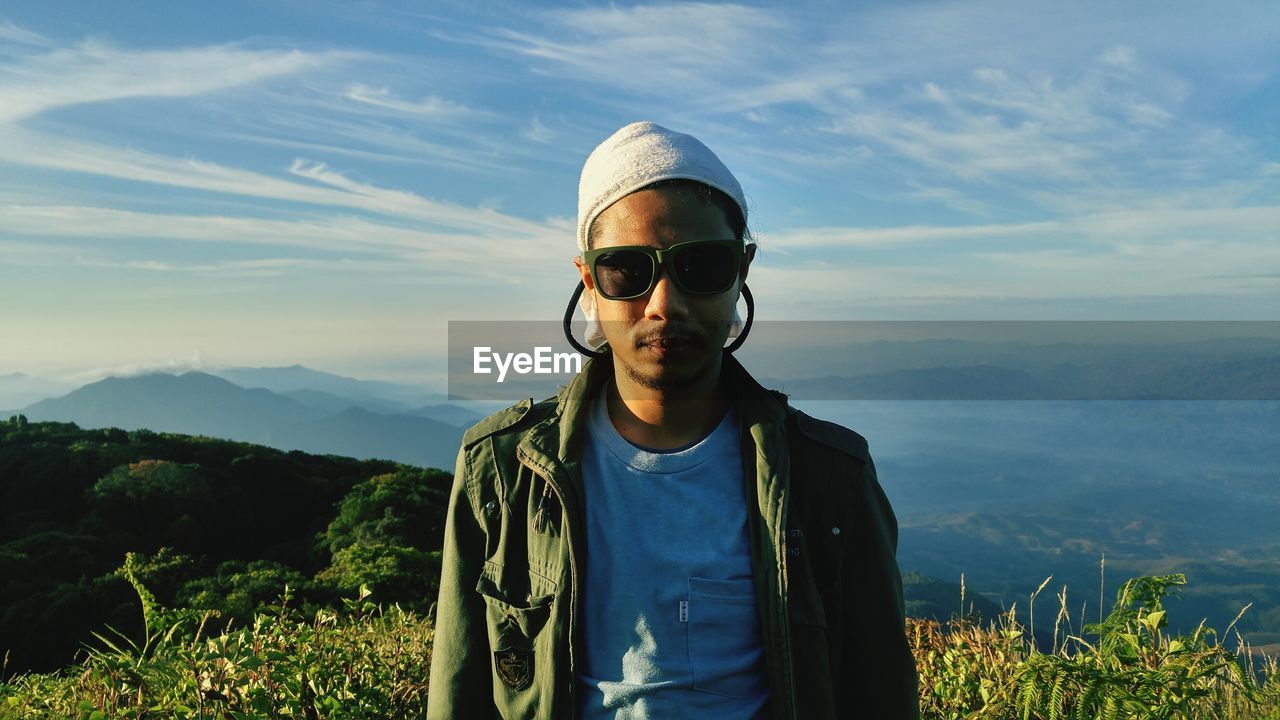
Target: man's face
665, 340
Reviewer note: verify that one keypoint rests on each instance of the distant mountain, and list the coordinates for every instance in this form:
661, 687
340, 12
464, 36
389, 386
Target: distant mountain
19, 389
1156, 379
447, 413
980, 382
832, 349
364, 434
193, 403
334, 404
329, 403
201, 404
933, 599
298, 377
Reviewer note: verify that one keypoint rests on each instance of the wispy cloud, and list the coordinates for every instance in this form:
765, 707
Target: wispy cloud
406, 204
537, 131
807, 239
94, 71
1000, 126
11, 33
349, 244
431, 106
654, 49
328, 187
1140, 227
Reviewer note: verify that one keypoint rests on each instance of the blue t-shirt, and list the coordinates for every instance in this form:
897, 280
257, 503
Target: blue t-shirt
670, 627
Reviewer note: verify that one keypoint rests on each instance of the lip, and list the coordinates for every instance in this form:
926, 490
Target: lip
668, 342
664, 347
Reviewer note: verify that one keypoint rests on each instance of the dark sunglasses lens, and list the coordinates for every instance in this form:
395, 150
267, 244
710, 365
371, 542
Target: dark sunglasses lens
624, 273
706, 268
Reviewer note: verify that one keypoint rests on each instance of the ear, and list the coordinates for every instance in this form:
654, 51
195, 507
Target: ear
585, 272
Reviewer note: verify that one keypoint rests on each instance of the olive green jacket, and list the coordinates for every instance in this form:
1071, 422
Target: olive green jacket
823, 539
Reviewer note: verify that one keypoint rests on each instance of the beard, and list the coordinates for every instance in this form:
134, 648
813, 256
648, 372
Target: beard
668, 379
692, 364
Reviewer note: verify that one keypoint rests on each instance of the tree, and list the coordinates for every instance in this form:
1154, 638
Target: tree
157, 501
387, 535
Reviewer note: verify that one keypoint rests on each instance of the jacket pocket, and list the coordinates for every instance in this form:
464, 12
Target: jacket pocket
725, 647
522, 669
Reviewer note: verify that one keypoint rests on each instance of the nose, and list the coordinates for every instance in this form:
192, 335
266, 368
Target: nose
666, 302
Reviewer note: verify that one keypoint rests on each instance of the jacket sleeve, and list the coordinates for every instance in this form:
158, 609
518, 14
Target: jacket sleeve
876, 637
461, 672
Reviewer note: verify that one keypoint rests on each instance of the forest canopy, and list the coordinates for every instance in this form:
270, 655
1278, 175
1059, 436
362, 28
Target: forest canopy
215, 524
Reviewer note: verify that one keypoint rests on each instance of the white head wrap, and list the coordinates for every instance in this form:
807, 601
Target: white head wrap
635, 156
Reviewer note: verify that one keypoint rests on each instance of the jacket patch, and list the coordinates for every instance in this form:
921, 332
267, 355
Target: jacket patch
515, 668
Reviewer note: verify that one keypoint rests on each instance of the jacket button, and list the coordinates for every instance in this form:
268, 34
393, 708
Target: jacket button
490, 506
835, 531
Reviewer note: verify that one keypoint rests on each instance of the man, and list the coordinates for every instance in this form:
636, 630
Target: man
666, 538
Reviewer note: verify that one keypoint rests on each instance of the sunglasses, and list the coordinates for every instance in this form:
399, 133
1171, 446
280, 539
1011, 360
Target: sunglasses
697, 267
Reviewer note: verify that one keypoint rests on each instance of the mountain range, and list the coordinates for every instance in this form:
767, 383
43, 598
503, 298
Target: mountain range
371, 422
20, 389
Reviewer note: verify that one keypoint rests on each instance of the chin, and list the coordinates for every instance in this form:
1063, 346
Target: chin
667, 378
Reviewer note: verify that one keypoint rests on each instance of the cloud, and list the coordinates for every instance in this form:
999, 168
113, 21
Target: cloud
326, 130
844, 237
1138, 227
11, 33
348, 244
1004, 126
406, 204
537, 132
1153, 253
663, 49
328, 187
978, 107
198, 362
431, 106
93, 71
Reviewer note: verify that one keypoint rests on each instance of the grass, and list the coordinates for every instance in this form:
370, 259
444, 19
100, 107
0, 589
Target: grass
1126, 666
361, 662
369, 661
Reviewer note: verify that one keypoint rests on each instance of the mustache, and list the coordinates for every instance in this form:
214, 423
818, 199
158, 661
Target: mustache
669, 338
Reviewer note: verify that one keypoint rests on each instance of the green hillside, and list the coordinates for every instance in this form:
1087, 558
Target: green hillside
217, 525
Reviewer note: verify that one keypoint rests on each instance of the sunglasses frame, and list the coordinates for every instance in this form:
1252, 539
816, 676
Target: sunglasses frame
657, 257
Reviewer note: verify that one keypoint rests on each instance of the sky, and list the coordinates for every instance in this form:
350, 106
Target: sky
324, 183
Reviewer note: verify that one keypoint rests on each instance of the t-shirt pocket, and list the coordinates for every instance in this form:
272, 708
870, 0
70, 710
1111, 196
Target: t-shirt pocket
725, 647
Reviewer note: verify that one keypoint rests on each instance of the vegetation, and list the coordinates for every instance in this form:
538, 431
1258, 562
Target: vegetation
360, 662
1126, 666
211, 531
373, 661
214, 525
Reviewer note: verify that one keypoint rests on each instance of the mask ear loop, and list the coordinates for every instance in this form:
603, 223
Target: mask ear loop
577, 293
568, 329
746, 326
